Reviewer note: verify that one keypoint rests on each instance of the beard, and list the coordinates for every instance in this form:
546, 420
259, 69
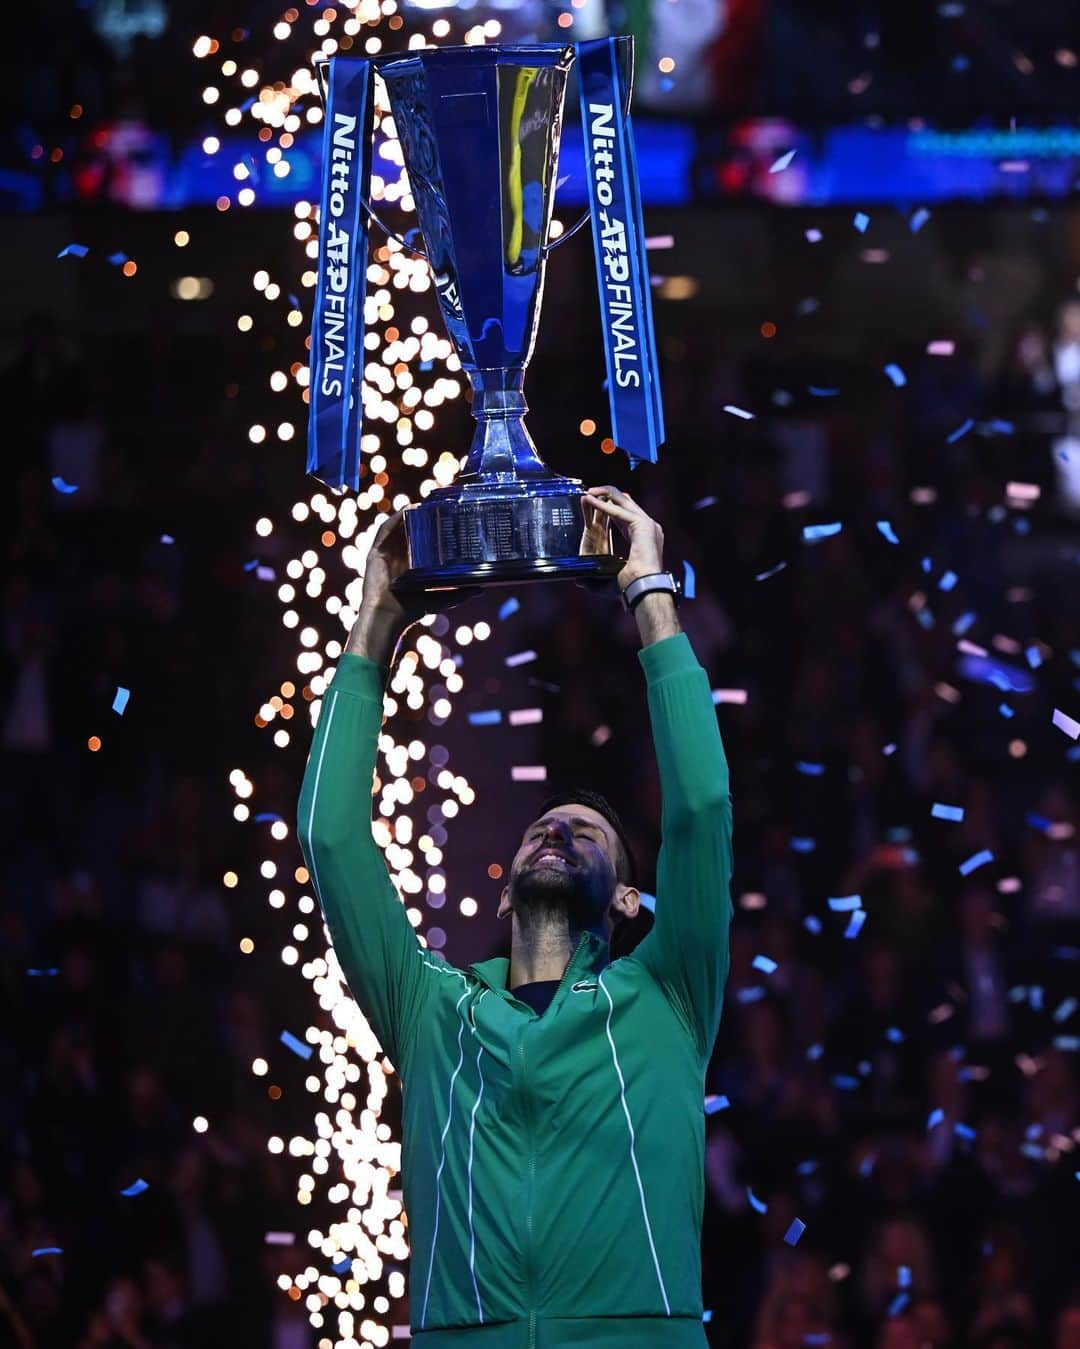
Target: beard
547, 896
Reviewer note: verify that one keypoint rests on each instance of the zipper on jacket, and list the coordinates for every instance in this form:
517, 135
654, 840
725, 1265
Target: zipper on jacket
529, 1205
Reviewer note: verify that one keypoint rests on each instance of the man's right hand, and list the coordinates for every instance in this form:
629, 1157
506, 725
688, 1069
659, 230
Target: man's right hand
384, 614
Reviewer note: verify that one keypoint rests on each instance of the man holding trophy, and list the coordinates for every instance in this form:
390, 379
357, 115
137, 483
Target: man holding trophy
553, 1103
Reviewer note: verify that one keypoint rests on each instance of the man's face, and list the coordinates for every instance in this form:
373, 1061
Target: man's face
566, 864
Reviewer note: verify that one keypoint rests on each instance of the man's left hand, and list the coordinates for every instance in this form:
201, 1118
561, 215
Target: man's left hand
646, 538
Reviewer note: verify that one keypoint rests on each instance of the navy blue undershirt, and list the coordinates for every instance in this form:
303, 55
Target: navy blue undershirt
537, 995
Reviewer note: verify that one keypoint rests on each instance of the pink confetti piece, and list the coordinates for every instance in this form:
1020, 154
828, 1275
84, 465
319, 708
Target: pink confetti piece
942, 346
814, 236
280, 1238
528, 773
526, 716
520, 658
739, 412
660, 241
738, 696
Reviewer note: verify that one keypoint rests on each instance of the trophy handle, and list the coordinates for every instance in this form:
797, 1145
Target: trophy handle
628, 48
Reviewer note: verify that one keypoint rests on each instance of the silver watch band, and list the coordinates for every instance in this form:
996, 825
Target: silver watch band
644, 585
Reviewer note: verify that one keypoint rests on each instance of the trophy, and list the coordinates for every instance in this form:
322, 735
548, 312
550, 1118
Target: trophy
479, 129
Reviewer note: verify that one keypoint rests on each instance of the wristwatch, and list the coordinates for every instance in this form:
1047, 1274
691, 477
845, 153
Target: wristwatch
663, 581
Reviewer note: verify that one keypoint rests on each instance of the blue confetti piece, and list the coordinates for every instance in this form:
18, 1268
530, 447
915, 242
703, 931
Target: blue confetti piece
948, 580
962, 624
943, 812
426, 365
66, 488
887, 532
689, 581
810, 770
1033, 657
897, 375
960, 64
918, 219
867, 1165
894, 1035
508, 607
758, 1205
807, 306
845, 1082
779, 165
1006, 710
964, 1131
764, 964
996, 427
897, 1305
1039, 822
714, 1104
1066, 1043
342, 1266
806, 1168
487, 718
1065, 1009
845, 903
764, 575
934, 1118
752, 994
294, 302
960, 432
855, 924
975, 861
117, 259
815, 1052
811, 533
298, 1047
74, 251
47, 1250
136, 1187
803, 845
267, 817
44, 973
167, 538
251, 566
794, 1232
861, 221
120, 701
819, 391
812, 923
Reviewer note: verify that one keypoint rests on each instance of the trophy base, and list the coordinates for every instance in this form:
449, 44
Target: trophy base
502, 533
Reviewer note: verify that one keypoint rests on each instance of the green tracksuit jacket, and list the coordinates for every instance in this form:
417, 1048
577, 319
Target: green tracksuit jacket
552, 1166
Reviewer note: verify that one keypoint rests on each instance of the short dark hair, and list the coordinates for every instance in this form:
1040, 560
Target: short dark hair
625, 865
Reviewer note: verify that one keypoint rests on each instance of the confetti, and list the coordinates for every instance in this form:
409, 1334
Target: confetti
861, 221
810, 770
779, 165
813, 236
897, 1305
47, 1250
689, 581
943, 812
252, 564
960, 432
1065, 1009
705, 501
43, 973
280, 1238
934, 1118
794, 1232
948, 580
298, 1047
526, 716
528, 773
64, 487
714, 1104
855, 924
803, 845
758, 1205
660, 241
811, 533
918, 219
812, 923
136, 1187
894, 1035
520, 658
486, 718
1066, 723
120, 701
897, 375
74, 250
739, 412
117, 259
167, 538
941, 347
265, 574
737, 696
764, 964
508, 607
845, 903
764, 575
975, 861
819, 392
887, 532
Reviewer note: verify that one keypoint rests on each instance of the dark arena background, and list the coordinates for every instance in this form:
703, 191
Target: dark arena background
864, 240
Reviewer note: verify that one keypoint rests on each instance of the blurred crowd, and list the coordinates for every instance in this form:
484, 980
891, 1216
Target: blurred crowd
909, 1091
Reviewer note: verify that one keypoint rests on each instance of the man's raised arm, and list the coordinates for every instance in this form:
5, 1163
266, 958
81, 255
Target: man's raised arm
379, 953
687, 951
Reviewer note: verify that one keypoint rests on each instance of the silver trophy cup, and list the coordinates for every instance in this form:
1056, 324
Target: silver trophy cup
479, 129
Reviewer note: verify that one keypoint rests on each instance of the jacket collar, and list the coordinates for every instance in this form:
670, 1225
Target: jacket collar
591, 956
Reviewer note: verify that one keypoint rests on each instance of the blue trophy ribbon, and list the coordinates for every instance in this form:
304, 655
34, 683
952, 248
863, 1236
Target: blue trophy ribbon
337, 330
622, 270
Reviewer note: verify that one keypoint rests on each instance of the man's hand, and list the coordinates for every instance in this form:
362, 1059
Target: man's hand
655, 614
645, 536
384, 615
